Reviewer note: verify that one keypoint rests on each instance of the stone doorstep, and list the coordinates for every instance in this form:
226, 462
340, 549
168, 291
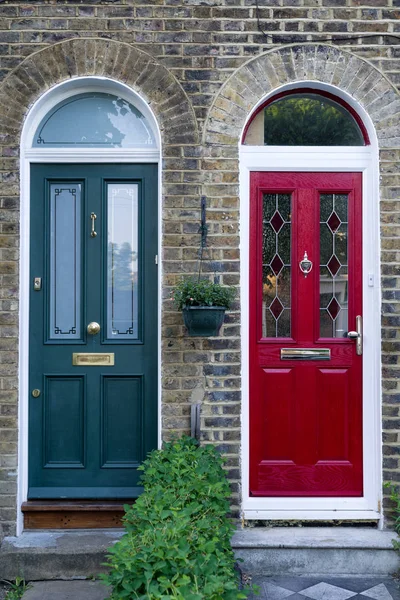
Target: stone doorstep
316, 550
56, 554
74, 554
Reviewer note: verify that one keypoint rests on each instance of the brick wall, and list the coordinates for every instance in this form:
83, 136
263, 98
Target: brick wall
201, 43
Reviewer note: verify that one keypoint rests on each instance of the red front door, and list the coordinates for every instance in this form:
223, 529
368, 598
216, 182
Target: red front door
305, 372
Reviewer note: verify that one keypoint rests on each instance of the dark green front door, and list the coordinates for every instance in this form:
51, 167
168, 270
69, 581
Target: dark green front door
93, 394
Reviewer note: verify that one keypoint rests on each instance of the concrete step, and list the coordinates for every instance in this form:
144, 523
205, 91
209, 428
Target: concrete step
72, 554
41, 555
316, 551
67, 590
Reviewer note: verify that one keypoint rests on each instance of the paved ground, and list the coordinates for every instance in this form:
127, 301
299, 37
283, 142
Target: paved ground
66, 590
327, 588
272, 588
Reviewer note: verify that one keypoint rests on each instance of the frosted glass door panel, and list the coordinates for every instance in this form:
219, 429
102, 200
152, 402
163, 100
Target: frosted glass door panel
65, 261
123, 264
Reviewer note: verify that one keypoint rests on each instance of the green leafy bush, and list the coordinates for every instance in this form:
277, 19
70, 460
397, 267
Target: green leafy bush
177, 544
395, 498
202, 292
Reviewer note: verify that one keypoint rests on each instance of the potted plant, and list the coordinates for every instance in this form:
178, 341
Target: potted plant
203, 304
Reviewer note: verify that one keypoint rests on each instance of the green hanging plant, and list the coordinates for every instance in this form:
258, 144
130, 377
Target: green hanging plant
203, 303
193, 291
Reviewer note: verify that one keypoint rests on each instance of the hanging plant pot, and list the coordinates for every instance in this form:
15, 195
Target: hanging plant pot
203, 321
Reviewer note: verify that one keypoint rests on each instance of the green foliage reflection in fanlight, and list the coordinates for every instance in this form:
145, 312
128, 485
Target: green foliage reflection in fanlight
309, 120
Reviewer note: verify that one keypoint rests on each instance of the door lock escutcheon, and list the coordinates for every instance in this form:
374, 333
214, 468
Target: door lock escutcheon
36, 393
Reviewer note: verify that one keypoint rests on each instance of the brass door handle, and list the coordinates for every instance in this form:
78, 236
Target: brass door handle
93, 328
357, 335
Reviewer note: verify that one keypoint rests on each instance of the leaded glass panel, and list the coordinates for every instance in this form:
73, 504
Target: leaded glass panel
65, 261
122, 272
333, 265
276, 256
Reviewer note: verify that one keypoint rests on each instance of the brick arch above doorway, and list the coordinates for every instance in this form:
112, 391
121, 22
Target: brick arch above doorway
104, 58
312, 63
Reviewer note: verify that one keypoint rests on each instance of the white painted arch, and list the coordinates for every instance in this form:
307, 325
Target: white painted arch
28, 155
364, 159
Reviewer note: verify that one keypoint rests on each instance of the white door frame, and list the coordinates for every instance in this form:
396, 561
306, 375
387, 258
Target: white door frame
363, 159
31, 155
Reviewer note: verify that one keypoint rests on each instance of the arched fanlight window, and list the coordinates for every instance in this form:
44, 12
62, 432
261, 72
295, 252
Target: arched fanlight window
305, 118
95, 120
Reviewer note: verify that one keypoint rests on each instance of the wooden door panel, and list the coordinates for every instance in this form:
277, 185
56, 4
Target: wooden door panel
333, 408
305, 415
278, 414
64, 402
122, 439
334, 479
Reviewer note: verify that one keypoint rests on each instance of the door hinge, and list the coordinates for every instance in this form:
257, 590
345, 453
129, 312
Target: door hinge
156, 259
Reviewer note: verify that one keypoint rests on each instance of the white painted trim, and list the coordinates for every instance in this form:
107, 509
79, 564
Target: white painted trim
361, 159
66, 155
98, 155
311, 515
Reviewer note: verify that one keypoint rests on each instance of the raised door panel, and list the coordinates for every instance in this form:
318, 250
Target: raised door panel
333, 406
122, 422
64, 411
277, 400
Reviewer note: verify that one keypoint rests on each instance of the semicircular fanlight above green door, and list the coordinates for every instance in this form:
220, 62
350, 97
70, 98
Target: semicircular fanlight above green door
95, 120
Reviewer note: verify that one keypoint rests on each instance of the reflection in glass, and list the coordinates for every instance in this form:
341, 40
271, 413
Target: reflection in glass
276, 320
122, 271
333, 265
304, 119
65, 261
95, 120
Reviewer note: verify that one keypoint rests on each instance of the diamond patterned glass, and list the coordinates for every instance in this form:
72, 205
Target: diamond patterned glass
333, 265
276, 321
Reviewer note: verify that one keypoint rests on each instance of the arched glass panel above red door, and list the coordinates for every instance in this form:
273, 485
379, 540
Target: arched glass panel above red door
305, 118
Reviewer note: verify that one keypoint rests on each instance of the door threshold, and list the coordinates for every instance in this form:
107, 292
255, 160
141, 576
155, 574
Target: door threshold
312, 515
74, 514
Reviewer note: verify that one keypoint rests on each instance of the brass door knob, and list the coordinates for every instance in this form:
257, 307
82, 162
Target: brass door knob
93, 328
